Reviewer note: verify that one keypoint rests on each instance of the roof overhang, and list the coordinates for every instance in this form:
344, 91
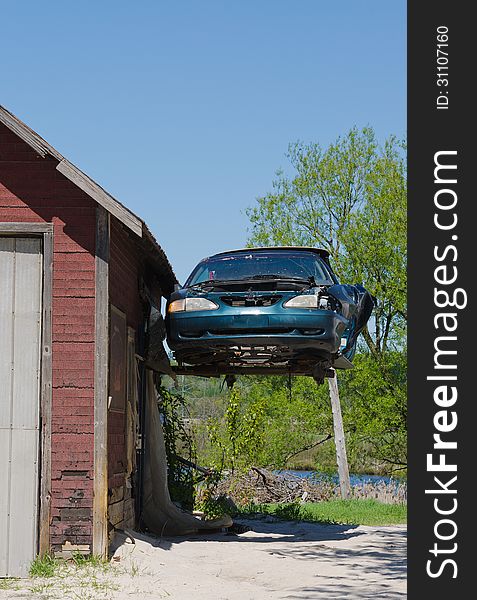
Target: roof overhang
147, 242
97, 193
71, 172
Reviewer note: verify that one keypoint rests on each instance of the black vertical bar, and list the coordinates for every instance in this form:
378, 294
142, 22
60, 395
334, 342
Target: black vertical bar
441, 121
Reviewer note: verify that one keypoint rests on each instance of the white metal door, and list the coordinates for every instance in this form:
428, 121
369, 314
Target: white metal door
20, 338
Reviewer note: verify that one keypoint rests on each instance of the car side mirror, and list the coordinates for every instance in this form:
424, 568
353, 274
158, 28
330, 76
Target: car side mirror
177, 287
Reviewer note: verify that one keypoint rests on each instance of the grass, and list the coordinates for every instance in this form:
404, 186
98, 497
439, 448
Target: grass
90, 560
9, 583
47, 566
337, 512
44, 566
79, 578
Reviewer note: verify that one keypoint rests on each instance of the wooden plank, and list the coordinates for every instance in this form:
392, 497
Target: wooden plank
24, 501
129, 520
71, 172
131, 405
7, 266
26, 408
4, 497
96, 192
46, 396
117, 360
27, 330
116, 513
25, 228
340, 444
29, 136
100, 486
116, 495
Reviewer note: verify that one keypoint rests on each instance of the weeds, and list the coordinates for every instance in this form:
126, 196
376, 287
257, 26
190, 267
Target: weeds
41, 588
90, 560
44, 566
82, 577
10, 583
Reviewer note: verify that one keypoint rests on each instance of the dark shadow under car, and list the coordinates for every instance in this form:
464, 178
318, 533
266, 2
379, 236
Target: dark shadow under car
266, 311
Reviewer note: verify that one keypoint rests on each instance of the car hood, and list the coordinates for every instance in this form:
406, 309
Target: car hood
269, 285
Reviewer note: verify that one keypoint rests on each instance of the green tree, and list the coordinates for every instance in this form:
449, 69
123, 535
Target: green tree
350, 199
296, 413
375, 246
238, 438
375, 410
314, 206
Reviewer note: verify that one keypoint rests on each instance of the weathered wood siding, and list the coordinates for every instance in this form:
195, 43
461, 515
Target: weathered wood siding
124, 272
32, 190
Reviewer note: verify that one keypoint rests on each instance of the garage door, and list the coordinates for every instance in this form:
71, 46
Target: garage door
20, 338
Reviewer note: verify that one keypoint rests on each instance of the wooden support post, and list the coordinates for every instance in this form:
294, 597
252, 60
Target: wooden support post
46, 396
100, 484
340, 444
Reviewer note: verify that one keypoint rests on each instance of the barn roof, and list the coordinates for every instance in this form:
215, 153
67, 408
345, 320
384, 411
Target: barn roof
85, 183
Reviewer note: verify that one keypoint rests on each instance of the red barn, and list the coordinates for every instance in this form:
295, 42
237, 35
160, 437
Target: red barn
80, 275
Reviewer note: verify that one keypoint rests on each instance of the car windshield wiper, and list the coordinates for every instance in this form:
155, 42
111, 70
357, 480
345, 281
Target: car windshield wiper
213, 282
210, 283
309, 280
216, 281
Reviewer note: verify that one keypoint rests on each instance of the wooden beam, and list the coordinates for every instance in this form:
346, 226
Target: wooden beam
71, 172
46, 396
340, 444
26, 134
100, 485
26, 228
96, 192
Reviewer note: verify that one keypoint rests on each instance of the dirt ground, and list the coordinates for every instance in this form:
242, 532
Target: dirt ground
273, 560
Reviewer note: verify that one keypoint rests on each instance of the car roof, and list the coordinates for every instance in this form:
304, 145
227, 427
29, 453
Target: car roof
321, 251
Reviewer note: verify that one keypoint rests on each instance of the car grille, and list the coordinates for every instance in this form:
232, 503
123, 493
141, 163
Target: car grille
263, 300
230, 331
251, 331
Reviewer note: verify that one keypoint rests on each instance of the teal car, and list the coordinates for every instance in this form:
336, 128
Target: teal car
266, 311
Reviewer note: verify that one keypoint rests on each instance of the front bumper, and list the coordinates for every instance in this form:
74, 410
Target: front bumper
301, 329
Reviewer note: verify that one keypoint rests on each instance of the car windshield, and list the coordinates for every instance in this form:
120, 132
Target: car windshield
261, 265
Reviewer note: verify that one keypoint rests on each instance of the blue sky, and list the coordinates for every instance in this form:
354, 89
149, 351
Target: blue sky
183, 110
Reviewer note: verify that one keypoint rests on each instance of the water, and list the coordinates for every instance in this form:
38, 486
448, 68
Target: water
354, 479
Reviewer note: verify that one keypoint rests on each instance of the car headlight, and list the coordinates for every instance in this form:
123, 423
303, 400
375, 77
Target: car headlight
191, 304
303, 301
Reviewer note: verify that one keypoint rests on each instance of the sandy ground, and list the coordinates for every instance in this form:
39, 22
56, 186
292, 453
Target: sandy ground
273, 560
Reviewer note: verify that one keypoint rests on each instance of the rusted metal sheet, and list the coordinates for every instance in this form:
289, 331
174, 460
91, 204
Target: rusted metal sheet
20, 338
